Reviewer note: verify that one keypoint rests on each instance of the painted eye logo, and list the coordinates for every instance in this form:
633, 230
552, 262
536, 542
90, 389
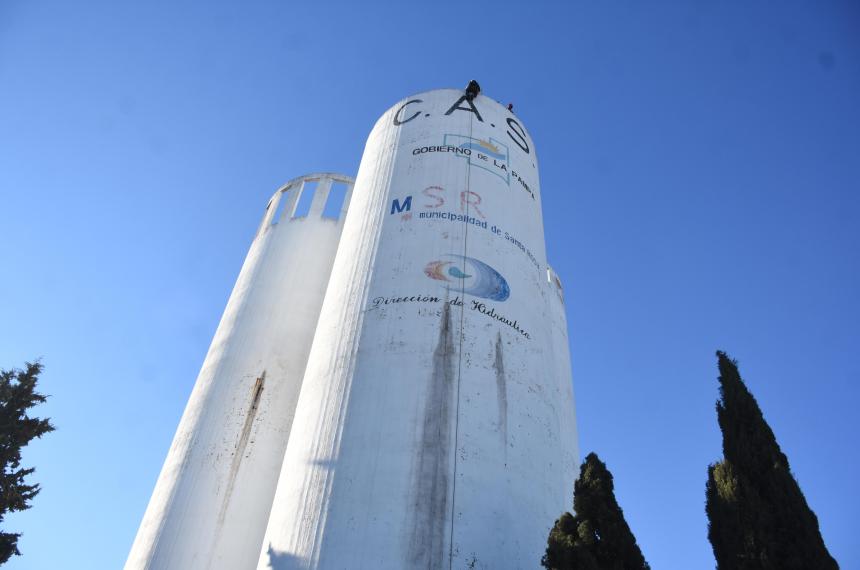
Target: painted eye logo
478, 278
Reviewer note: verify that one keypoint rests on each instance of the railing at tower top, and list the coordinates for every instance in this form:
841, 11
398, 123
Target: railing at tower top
554, 280
313, 196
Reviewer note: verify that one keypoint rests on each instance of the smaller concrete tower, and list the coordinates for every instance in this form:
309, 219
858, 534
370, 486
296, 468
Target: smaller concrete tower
212, 500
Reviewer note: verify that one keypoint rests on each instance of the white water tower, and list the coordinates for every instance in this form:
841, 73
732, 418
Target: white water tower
391, 389
435, 428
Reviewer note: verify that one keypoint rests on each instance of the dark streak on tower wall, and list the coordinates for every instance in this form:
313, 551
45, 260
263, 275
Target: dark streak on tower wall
427, 548
501, 390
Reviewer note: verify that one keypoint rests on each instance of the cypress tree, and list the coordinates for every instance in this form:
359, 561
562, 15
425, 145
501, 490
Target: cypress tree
597, 536
758, 518
17, 395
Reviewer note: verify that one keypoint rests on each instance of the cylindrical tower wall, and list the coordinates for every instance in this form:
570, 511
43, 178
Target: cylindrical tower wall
212, 499
568, 434
435, 425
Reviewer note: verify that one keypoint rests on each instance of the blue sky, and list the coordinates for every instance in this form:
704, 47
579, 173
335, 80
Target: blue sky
700, 172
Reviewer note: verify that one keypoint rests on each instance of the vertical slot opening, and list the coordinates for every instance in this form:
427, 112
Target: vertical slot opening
309, 188
334, 203
282, 201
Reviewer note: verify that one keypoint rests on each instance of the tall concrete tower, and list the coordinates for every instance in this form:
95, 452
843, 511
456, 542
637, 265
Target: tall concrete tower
429, 423
435, 425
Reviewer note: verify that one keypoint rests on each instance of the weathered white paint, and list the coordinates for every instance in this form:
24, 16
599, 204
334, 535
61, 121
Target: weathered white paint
212, 499
429, 433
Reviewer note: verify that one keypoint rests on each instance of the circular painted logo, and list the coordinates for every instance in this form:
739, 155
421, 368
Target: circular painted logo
476, 277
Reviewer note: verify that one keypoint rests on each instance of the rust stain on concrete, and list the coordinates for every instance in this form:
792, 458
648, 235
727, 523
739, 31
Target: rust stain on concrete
239, 451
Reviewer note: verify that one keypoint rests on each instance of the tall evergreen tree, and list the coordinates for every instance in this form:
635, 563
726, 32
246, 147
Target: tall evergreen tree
17, 395
758, 516
597, 536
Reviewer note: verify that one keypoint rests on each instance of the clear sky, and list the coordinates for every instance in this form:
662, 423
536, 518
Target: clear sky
700, 171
